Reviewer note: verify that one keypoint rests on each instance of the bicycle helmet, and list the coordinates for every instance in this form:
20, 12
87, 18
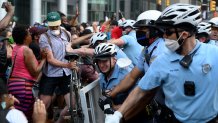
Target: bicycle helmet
204, 27
128, 23
98, 37
105, 50
147, 18
180, 15
214, 22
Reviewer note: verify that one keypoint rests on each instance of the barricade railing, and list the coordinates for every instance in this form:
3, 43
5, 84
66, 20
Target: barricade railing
89, 101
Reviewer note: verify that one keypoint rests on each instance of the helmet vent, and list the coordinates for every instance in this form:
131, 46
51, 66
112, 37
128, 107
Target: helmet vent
170, 17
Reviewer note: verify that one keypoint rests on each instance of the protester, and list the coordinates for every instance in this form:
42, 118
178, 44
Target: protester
25, 70
8, 113
56, 72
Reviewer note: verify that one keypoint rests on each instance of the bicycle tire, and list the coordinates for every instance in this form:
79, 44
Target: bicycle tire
76, 112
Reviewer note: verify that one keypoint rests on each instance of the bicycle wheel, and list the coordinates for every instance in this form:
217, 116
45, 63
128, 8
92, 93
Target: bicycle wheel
78, 116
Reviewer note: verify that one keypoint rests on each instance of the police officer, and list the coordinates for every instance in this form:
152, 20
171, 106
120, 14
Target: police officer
129, 42
186, 72
203, 32
150, 37
105, 59
214, 30
111, 75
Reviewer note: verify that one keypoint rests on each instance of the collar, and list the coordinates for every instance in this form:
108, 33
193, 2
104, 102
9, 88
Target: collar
173, 56
155, 43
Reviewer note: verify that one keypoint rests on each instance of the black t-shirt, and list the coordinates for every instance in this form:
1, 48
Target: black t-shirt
36, 49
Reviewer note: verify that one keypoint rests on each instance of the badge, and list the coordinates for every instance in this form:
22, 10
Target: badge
206, 68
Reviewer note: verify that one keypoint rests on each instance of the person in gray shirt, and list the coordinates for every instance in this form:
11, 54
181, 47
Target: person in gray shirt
56, 72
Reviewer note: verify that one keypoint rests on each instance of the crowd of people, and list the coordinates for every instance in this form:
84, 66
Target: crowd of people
171, 76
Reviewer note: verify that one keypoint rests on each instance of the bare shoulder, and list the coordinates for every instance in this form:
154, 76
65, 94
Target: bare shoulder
27, 50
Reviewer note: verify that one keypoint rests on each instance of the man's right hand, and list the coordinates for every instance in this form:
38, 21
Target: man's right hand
9, 8
73, 65
115, 118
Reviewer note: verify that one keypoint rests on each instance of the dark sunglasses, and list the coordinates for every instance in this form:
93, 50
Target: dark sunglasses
168, 32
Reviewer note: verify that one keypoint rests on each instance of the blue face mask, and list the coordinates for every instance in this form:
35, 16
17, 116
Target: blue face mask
3, 104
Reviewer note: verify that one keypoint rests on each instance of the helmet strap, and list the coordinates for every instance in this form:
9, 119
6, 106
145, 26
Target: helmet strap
108, 73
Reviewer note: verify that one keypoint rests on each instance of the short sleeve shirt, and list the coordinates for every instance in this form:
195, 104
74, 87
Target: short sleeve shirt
131, 47
117, 75
166, 72
58, 48
155, 49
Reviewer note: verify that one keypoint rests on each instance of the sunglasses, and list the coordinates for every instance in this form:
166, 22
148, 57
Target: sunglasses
168, 32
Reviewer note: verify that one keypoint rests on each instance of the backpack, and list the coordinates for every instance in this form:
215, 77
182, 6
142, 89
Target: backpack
3, 54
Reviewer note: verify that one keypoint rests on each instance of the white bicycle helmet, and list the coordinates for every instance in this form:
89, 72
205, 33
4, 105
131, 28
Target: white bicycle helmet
204, 27
214, 21
147, 18
128, 23
181, 15
98, 37
105, 50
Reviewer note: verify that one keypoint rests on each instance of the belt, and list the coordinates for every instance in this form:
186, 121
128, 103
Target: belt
172, 118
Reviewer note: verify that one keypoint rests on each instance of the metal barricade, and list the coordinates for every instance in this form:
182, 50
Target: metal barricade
89, 100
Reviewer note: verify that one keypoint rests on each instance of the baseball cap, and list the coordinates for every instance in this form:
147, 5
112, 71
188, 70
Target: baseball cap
54, 19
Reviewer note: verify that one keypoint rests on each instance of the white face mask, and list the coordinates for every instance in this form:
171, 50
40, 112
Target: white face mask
56, 32
172, 45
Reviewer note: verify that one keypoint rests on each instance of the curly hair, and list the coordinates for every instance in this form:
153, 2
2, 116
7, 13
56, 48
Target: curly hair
19, 33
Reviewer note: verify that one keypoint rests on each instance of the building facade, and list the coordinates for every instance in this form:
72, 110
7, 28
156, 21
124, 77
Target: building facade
31, 11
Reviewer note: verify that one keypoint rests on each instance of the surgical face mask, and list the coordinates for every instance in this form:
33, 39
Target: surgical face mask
173, 45
11, 40
56, 32
3, 104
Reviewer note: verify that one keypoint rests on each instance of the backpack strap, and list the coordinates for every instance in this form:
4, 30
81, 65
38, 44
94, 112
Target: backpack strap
49, 39
67, 34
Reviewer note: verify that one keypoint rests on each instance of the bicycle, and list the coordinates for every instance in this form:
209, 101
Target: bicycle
76, 115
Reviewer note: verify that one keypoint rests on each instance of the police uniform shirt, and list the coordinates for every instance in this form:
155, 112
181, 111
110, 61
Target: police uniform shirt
131, 47
213, 42
166, 71
158, 46
117, 75
121, 54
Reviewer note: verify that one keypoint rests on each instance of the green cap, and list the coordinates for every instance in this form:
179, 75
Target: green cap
53, 19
